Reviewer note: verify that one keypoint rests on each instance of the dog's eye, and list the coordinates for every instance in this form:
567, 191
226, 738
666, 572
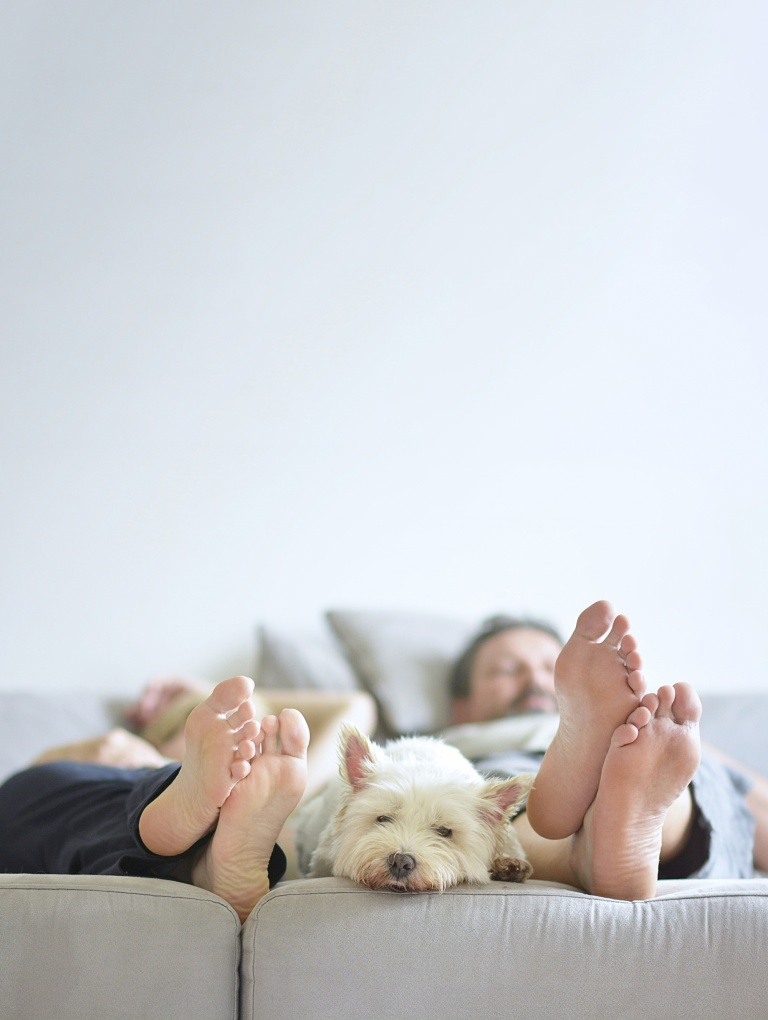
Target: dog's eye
443, 831
383, 819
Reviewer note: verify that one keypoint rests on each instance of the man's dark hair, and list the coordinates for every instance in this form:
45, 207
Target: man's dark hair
461, 671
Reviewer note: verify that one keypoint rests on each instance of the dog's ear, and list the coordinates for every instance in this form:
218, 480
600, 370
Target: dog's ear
356, 755
502, 794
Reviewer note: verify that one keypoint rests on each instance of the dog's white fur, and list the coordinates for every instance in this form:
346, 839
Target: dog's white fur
411, 816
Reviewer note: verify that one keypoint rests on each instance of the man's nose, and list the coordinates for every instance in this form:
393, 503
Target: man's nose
536, 682
525, 676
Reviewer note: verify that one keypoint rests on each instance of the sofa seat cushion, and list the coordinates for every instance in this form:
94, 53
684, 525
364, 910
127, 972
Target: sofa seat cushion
538, 951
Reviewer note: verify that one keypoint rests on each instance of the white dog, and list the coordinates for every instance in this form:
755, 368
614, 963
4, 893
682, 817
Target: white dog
411, 816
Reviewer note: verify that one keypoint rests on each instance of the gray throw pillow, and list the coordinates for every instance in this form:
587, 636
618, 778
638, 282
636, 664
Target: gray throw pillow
403, 659
302, 662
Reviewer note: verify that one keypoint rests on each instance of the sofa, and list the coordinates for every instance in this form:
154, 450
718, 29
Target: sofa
97, 948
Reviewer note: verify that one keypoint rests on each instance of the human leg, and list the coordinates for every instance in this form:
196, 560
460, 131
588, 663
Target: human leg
552, 858
598, 684
161, 713
168, 704
757, 802
643, 810
158, 695
167, 810
118, 748
324, 712
647, 769
75, 818
733, 806
246, 801
221, 737
71, 817
234, 863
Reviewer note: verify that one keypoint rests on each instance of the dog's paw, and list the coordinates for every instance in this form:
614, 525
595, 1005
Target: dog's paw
511, 869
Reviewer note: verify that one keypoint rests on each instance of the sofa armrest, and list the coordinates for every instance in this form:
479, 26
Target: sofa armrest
89, 947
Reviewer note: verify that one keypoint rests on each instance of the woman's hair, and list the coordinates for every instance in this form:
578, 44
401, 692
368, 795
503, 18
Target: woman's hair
461, 672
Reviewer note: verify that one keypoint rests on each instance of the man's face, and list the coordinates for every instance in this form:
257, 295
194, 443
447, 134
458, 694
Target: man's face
513, 673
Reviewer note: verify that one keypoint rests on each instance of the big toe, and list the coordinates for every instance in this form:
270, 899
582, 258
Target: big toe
595, 621
294, 733
227, 695
686, 708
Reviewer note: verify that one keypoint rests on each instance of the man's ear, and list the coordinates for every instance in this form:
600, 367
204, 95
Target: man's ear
356, 756
460, 711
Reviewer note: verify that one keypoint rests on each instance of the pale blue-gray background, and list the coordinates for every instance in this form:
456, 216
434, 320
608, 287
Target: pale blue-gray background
447, 306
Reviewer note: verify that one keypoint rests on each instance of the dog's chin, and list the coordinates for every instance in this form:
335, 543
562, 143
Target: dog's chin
385, 882
398, 887
382, 879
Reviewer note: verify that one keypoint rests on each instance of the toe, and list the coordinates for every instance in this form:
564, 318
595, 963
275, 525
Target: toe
229, 694
651, 702
249, 731
633, 661
243, 714
636, 681
239, 769
619, 630
595, 620
686, 706
246, 749
628, 644
270, 726
624, 734
640, 716
294, 733
666, 696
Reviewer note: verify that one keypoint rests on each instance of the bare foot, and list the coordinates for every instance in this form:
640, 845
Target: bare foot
221, 737
234, 863
598, 684
118, 748
647, 768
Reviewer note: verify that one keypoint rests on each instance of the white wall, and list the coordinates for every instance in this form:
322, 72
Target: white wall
430, 305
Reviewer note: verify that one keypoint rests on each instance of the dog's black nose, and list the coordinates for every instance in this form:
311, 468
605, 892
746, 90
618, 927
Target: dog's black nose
400, 865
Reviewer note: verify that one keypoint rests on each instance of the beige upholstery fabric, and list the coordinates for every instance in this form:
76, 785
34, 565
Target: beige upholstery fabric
104, 948
330, 950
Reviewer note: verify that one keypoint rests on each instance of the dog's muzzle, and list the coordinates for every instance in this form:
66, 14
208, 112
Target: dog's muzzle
401, 867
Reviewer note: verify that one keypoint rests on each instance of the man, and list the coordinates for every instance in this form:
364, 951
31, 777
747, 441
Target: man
622, 793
